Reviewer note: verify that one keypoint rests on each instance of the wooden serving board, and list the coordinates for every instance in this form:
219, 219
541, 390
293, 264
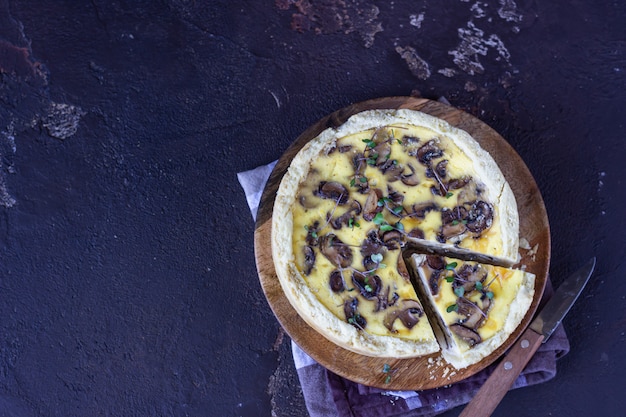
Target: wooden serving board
427, 371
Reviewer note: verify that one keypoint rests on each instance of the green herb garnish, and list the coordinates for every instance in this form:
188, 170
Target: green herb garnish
459, 291
451, 266
452, 307
377, 257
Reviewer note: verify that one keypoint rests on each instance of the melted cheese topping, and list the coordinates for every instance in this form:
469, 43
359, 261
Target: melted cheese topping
355, 164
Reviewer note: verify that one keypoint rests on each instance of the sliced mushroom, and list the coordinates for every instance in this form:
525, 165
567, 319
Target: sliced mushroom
474, 316
441, 168
344, 219
392, 239
428, 151
372, 244
368, 285
420, 210
350, 310
453, 222
480, 216
337, 284
344, 148
468, 335
433, 281
309, 259
394, 195
402, 269
457, 183
435, 262
371, 207
451, 230
311, 234
468, 275
382, 152
359, 180
410, 179
392, 170
416, 233
337, 252
409, 315
333, 190
383, 300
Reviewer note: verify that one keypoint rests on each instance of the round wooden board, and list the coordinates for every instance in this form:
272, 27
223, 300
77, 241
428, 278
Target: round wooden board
427, 371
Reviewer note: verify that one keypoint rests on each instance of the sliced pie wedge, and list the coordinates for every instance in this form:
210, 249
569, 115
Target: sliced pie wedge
473, 307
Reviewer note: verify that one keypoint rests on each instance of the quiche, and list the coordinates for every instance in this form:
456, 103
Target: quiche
473, 307
356, 198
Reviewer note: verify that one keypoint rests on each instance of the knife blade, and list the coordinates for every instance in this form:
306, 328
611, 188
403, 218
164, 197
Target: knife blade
499, 382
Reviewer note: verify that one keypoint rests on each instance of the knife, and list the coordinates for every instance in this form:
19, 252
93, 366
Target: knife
541, 328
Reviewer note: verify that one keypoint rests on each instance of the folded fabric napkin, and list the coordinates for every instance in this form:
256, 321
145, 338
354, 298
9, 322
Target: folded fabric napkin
327, 394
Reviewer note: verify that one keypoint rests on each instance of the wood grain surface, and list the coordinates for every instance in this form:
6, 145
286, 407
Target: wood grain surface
427, 371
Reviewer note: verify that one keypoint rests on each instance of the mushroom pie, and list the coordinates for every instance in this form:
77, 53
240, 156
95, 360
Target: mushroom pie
358, 197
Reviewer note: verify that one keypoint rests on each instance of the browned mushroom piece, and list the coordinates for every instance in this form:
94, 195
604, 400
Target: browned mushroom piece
433, 281
473, 315
344, 219
457, 183
420, 210
333, 190
337, 252
428, 151
451, 230
441, 168
350, 310
372, 244
309, 259
394, 196
312, 234
435, 262
359, 180
392, 238
416, 233
382, 151
337, 284
402, 269
468, 335
410, 179
480, 216
468, 275
344, 148
409, 315
392, 170
371, 207
454, 222
368, 285
383, 300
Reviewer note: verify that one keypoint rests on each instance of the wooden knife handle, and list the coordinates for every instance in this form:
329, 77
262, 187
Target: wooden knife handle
500, 381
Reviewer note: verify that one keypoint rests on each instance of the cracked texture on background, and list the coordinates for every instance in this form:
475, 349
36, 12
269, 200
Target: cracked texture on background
478, 37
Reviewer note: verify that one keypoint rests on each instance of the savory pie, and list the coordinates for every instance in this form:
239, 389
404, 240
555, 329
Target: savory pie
357, 197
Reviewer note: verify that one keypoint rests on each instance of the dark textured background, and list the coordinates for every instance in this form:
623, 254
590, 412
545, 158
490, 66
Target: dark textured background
127, 276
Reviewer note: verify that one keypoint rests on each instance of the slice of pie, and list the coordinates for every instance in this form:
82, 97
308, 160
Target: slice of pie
473, 307
356, 197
